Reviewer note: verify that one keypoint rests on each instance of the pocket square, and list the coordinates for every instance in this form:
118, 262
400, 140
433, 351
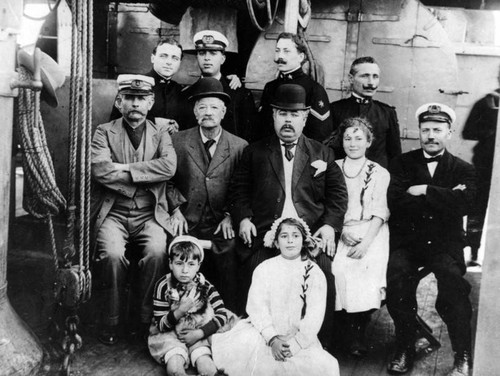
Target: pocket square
320, 167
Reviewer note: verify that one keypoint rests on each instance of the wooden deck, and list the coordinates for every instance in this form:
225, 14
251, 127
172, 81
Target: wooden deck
30, 275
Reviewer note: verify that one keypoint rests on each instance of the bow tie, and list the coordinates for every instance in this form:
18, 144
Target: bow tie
362, 100
433, 159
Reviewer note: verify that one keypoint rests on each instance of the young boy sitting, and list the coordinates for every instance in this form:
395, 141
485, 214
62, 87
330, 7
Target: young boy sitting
187, 310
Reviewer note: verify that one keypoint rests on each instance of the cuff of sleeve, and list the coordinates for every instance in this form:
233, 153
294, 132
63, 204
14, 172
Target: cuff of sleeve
294, 346
209, 328
268, 333
171, 319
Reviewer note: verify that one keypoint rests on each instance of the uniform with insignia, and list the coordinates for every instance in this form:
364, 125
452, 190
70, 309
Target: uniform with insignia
240, 113
386, 143
168, 100
319, 123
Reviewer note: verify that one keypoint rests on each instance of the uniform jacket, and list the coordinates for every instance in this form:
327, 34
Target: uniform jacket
319, 123
240, 113
168, 100
386, 144
199, 182
258, 186
158, 167
434, 221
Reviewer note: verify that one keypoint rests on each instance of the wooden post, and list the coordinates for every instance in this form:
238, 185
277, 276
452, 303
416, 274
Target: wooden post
486, 360
20, 352
291, 16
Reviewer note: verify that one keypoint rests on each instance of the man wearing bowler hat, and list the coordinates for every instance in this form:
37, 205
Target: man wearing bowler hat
240, 112
207, 155
430, 192
287, 175
132, 160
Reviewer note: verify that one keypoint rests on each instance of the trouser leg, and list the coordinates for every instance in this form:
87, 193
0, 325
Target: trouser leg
452, 303
326, 334
402, 283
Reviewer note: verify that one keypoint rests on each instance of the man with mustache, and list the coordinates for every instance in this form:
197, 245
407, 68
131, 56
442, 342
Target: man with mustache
290, 55
288, 175
168, 107
430, 192
240, 112
132, 160
207, 156
364, 77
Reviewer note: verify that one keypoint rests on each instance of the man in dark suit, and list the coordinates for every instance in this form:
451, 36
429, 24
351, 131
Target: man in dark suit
430, 192
240, 112
364, 77
290, 55
206, 158
288, 175
132, 159
168, 107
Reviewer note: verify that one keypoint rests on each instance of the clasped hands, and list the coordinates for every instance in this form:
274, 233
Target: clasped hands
280, 348
359, 249
190, 302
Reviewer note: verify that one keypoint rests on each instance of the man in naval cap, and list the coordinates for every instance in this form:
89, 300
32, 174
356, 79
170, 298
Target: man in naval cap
132, 159
430, 192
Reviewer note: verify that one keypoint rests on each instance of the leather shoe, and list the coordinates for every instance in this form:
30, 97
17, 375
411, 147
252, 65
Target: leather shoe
462, 365
402, 361
108, 335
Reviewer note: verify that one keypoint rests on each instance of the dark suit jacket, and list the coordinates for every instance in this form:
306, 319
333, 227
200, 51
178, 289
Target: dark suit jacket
199, 182
386, 143
240, 113
158, 167
435, 220
258, 185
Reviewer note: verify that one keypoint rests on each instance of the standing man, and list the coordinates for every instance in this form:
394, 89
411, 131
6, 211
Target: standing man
288, 175
430, 192
364, 77
290, 55
240, 112
132, 159
207, 155
167, 108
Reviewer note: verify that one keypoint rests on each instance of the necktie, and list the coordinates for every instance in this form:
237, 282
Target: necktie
136, 137
208, 144
288, 150
362, 100
433, 159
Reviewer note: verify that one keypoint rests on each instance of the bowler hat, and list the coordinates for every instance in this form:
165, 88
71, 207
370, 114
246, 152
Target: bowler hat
290, 97
52, 74
209, 87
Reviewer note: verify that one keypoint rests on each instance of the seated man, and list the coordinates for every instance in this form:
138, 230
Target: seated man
132, 159
430, 192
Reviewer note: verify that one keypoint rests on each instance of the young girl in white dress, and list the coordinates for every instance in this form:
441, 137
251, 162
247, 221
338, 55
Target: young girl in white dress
286, 305
360, 264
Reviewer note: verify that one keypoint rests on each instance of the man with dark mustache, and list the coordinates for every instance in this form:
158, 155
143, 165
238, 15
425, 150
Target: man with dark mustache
288, 175
207, 156
430, 192
132, 159
290, 55
364, 77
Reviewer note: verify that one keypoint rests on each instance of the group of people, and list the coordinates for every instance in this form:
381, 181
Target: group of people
257, 233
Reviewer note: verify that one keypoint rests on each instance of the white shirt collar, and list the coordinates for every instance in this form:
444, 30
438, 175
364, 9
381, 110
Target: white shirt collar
427, 156
216, 138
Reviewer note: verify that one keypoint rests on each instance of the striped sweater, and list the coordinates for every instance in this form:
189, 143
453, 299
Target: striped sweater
167, 294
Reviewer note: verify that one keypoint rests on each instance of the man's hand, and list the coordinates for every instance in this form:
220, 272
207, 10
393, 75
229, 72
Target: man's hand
226, 226
247, 229
171, 124
327, 233
179, 223
350, 239
190, 336
121, 166
417, 190
234, 81
358, 251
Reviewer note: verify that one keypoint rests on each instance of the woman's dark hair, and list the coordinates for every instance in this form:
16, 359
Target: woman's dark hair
357, 122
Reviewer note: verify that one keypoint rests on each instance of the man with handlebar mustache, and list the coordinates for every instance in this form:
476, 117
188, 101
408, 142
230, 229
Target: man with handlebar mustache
364, 77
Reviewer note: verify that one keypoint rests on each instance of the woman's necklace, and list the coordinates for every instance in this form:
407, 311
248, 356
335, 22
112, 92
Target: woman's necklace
359, 172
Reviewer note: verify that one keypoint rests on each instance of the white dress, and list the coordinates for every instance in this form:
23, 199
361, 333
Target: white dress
360, 283
275, 307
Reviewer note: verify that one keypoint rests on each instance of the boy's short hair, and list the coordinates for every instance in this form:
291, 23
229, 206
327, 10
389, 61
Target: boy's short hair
186, 247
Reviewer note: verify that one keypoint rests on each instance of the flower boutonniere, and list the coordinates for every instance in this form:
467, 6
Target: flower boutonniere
320, 166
